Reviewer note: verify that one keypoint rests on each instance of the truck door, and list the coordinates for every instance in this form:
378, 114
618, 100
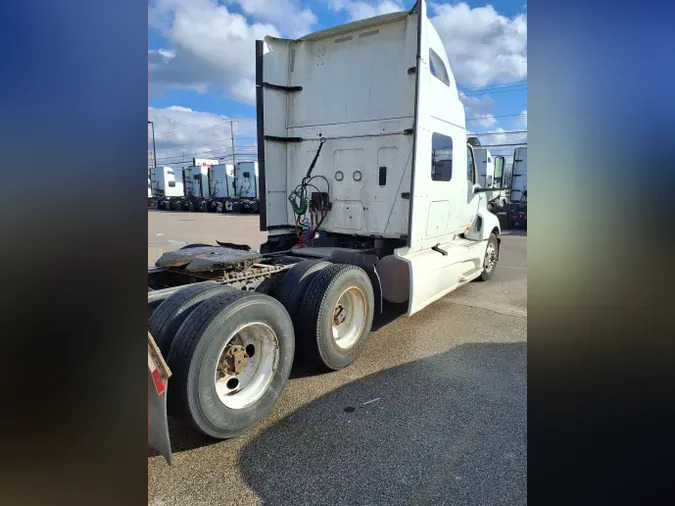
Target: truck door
469, 206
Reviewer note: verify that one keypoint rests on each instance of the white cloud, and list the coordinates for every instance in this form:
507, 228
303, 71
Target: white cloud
499, 136
484, 120
181, 131
476, 104
359, 9
482, 45
522, 120
295, 20
210, 48
213, 49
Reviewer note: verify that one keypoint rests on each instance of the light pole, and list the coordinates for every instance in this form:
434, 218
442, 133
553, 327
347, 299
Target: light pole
154, 150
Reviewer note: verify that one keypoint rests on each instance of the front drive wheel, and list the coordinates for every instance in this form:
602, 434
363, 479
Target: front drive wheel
337, 314
491, 258
230, 359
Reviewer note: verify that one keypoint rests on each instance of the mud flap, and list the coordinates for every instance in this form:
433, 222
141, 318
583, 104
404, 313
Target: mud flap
158, 423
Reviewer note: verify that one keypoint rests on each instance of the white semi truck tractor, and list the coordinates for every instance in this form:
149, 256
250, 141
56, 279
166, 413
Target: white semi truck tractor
517, 203
369, 192
491, 172
247, 187
511, 206
222, 185
198, 185
167, 189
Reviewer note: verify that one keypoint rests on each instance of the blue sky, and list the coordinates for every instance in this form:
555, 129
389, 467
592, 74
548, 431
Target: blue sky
201, 62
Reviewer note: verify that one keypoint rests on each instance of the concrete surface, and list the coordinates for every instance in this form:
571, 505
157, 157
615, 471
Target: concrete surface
433, 412
168, 231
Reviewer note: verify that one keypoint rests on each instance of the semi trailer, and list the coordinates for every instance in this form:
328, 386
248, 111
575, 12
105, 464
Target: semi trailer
370, 197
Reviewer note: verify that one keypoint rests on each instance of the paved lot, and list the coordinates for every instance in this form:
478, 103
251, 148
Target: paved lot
433, 412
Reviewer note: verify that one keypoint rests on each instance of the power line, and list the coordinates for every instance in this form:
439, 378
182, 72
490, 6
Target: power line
209, 125
504, 145
495, 85
478, 118
508, 132
182, 148
505, 89
251, 150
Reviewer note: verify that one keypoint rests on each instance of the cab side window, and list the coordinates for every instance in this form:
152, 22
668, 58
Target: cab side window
441, 157
470, 166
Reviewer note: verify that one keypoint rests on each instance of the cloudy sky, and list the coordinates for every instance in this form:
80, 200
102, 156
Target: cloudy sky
202, 64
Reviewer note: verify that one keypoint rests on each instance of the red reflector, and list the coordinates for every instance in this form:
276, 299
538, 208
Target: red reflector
157, 380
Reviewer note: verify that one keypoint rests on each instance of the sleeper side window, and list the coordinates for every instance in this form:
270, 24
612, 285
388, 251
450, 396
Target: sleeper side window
441, 157
438, 67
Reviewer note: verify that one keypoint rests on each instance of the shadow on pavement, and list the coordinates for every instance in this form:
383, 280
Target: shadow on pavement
184, 438
448, 429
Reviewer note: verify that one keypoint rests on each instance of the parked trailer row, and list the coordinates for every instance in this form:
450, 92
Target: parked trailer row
512, 208
365, 198
207, 186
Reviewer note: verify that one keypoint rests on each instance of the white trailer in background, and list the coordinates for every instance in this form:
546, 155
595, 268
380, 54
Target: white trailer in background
222, 188
246, 187
166, 188
516, 207
197, 185
368, 196
491, 173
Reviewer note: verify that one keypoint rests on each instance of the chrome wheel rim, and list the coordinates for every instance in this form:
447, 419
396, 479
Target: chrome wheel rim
349, 317
490, 257
246, 365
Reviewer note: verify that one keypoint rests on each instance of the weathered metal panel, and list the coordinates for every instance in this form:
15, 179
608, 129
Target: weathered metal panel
208, 258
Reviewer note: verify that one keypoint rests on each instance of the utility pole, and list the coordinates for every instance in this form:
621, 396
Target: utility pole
232, 138
154, 149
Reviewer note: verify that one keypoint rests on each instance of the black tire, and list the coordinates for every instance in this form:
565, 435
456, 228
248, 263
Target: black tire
292, 287
172, 312
196, 351
152, 307
203, 206
489, 272
317, 309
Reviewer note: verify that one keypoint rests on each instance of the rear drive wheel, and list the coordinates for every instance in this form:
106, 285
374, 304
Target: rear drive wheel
293, 285
230, 361
172, 312
336, 315
491, 258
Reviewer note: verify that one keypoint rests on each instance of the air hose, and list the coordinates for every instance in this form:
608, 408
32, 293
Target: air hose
298, 198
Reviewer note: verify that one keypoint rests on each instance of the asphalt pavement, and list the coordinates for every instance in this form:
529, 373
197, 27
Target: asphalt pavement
433, 412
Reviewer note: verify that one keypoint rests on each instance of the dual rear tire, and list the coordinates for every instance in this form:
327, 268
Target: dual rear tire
231, 351
332, 308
